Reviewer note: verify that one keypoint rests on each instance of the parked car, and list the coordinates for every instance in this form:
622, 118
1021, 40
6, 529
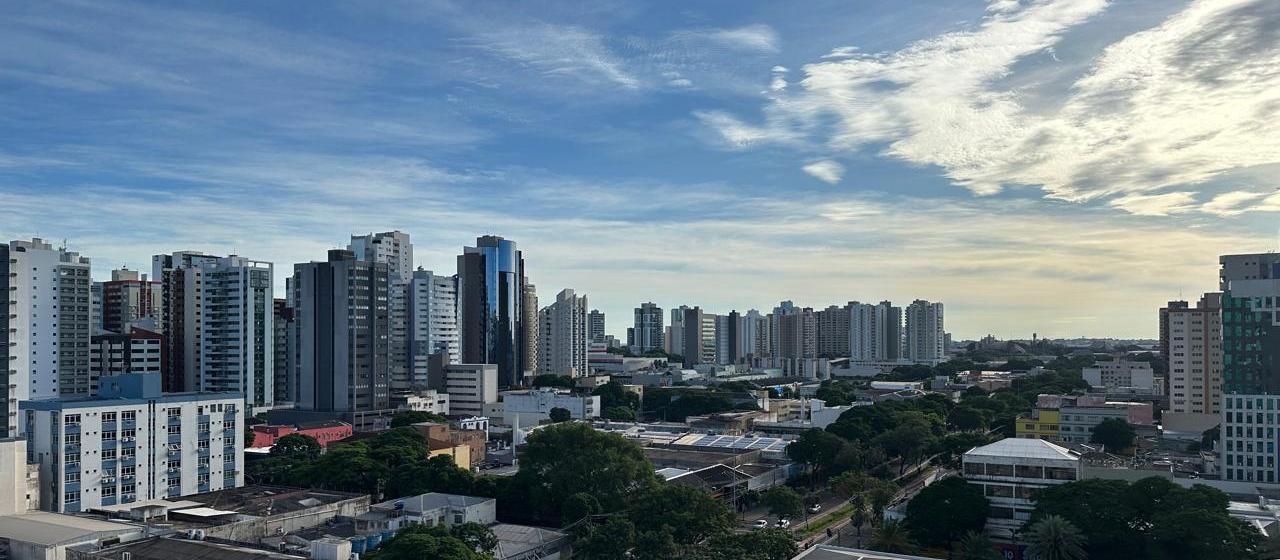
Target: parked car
760, 524
815, 508
782, 523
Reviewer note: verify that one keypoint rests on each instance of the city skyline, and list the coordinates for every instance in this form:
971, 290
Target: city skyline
703, 133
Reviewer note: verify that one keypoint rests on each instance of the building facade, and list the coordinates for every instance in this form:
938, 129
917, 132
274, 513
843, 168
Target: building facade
433, 322
833, 331
534, 406
491, 294
131, 444
1250, 366
180, 285
129, 299
471, 387
1192, 341
50, 322
925, 340
343, 319
395, 250
9, 385
1121, 373
563, 332
595, 326
137, 351
1010, 472
532, 330
647, 329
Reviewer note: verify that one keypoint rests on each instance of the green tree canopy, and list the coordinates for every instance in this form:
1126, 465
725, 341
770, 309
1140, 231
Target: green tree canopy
1054, 538
892, 537
1152, 518
1114, 433
563, 459
560, 415
975, 546
410, 417
418, 542
552, 380
300, 446
945, 511
783, 501
816, 448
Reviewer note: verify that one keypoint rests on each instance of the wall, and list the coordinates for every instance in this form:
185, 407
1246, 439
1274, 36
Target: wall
253, 530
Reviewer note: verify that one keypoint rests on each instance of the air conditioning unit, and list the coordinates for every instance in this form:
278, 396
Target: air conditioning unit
174, 469
107, 479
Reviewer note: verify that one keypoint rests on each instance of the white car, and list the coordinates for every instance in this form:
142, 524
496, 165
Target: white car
760, 524
782, 523
815, 508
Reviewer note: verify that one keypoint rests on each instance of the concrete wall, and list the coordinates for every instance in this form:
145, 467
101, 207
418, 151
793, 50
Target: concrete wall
253, 530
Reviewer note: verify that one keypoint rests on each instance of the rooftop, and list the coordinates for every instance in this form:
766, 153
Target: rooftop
516, 540
1022, 448
173, 548
263, 501
49, 529
434, 500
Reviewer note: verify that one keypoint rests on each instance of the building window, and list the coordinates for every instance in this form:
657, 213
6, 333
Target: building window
71, 498
128, 415
108, 454
108, 417
108, 491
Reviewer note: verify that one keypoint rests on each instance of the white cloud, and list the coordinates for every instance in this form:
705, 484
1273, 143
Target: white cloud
1175, 105
825, 170
1238, 202
559, 51
738, 135
758, 37
1156, 204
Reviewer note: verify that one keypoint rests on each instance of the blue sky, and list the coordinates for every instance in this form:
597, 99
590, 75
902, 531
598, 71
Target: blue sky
1051, 166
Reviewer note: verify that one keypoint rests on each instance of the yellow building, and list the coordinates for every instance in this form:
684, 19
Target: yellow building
1041, 424
461, 454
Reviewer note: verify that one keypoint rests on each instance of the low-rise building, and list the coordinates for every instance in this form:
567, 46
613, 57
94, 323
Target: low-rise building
1072, 418
323, 431
470, 387
428, 400
444, 439
132, 443
528, 408
1010, 471
1123, 373
47, 536
432, 509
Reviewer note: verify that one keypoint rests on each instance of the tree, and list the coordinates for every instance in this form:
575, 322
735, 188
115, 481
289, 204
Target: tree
559, 415
945, 511
975, 546
967, 419
475, 535
420, 541
816, 448
296, 446
1114, 433
609, 541
783, 501
615, 393
692, 514
892, 537
553, 380
410, 417
1054, 538
564, 459
619, 414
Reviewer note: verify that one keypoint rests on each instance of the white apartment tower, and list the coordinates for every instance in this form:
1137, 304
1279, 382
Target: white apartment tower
875, 332
595, 326
433, 321
925, 333
1195, 356
563, 333
395, 250
49, 324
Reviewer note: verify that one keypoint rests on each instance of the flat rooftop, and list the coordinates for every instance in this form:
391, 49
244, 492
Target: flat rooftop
50, 529
161, 548
265, 501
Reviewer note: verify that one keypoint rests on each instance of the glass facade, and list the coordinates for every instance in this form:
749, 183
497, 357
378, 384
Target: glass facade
1250, 345
491, 285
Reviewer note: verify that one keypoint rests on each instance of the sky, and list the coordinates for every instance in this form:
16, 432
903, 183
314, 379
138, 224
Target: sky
1062, 167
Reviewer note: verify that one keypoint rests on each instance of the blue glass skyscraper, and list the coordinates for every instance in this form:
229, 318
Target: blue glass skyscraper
491, 285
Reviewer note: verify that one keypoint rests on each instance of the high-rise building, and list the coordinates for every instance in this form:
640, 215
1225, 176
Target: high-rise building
891, 345
8, 374
875, 332
925, 332
129, 443
563, 333
737, 345
129, 299
647, 332
797, 334
1250, 366
342, 316
491, 293
433, 322
235, 349
699, 331
755, 334
137, 351
833, 332
282, 344
179, 315
394, 249
595, 326
49, 322
1192, 341
532, 330
675, 333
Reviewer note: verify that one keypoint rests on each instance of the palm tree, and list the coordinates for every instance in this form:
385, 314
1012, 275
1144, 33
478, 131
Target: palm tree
976, 546
892, 537
1055, 538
